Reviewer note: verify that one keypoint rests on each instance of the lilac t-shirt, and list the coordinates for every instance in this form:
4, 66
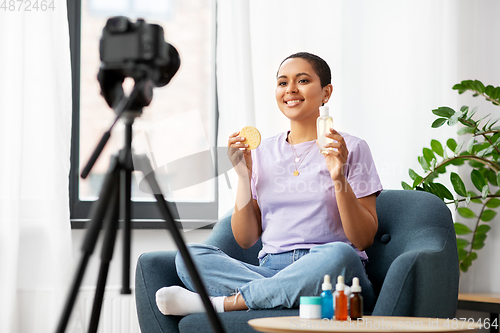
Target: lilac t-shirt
300, 212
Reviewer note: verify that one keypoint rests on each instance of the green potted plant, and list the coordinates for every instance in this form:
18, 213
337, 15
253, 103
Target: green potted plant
481, 150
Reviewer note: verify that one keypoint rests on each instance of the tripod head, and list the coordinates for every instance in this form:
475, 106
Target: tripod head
137, 50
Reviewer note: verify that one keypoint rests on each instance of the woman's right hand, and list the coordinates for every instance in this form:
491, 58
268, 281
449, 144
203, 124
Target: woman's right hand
239, 155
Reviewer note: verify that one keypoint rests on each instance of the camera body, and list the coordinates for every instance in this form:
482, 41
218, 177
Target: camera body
138, 49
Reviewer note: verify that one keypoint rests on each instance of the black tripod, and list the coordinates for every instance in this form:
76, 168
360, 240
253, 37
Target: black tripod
116, 194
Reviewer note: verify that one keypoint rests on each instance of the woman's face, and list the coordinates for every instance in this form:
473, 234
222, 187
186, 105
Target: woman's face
298, 91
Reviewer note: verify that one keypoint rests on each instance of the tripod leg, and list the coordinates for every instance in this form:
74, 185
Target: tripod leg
106, 256
126, 204
93, 228
145, 167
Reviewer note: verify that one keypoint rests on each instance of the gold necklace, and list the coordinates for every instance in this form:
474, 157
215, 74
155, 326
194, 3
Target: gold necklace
297, 157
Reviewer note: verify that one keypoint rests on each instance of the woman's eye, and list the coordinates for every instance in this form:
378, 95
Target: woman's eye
282, 84
303, 80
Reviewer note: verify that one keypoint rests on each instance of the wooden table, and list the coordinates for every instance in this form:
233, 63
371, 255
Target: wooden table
484, 302
368, 324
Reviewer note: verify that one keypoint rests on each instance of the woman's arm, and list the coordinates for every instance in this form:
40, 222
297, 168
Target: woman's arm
359, 216
245, 221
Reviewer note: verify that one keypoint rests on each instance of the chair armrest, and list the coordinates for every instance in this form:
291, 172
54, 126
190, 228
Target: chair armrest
154, 271
421, 283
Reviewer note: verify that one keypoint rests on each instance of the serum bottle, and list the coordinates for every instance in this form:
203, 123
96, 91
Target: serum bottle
340, 300
323, 125
356, 300
326, 299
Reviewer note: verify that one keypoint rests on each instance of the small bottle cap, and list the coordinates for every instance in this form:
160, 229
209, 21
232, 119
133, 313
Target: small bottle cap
355, 288
340, 283
310, 300
324, 110
327, 284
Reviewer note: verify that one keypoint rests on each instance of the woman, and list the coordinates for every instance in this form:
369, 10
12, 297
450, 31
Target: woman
314, 213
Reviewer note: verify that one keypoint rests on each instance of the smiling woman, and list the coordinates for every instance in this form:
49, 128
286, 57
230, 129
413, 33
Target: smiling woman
327, 230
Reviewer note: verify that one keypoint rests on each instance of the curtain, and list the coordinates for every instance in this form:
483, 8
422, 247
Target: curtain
35, 130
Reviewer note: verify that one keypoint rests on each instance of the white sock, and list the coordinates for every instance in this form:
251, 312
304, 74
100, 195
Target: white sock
179, 301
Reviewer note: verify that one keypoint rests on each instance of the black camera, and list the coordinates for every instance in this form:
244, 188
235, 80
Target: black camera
137, 50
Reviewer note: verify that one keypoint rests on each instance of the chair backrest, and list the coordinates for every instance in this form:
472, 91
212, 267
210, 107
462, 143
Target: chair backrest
407, 220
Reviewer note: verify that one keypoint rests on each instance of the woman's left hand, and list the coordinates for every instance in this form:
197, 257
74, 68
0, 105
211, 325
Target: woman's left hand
336, 156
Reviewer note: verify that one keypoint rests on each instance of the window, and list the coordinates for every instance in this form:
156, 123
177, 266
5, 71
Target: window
178, 124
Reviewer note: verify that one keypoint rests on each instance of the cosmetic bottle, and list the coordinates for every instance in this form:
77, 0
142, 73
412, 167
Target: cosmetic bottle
323, 125
326, 299
356, 300
310, 307
340, 300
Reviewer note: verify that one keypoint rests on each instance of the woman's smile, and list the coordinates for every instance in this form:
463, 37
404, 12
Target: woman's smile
293, 102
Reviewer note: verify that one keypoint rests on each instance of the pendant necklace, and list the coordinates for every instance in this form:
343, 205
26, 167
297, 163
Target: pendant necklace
297, 158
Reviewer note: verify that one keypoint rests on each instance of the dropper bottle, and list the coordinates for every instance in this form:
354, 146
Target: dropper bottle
356, 300
323, 125
340, 300
326, 299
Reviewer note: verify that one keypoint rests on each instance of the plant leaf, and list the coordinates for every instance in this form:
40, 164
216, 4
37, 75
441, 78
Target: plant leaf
437, 147
466, 212
479, 86
428, 155
438, 122
477, 179
462, 254
444, 111
488, 215
459, 147
473, 194
466, 130
482, 229
462, 229
470, 145
424, 163
413, 174
406, 186
464, 265
452, 144
458, 184
461, 243
485, 191
443, 190
493, 203
417, 181
454, 119
478, 244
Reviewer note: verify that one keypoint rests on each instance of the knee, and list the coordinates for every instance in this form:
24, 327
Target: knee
196, 251
337, 249
338, 254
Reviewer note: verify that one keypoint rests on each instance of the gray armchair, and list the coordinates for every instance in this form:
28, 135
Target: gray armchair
413, 267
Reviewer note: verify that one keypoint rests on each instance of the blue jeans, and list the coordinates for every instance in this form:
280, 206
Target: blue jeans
280, 279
